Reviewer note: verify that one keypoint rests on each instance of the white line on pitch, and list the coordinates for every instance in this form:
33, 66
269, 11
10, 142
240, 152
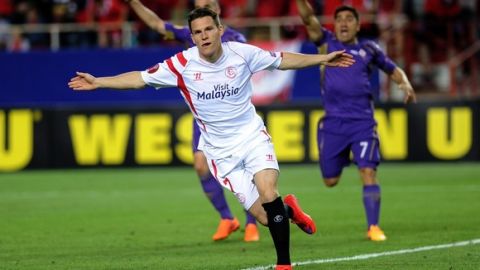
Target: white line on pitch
374, 255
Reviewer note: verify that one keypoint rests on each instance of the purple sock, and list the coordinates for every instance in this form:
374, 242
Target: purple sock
250, 219
371, 201
214, 192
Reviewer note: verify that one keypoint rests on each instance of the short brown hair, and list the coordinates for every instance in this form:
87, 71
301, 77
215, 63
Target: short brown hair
200, 13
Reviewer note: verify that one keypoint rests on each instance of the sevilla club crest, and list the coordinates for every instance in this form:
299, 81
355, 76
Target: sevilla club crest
231, 72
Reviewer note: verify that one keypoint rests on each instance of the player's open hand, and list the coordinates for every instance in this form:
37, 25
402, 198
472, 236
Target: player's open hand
410, 96
339, 59
83, 81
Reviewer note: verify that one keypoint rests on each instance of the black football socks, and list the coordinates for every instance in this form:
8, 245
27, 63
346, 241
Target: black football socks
279, 229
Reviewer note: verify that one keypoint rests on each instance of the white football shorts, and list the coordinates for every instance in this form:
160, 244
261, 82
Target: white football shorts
235, 173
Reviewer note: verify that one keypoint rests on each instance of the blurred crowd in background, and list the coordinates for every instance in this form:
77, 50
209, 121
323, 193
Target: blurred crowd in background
415, 33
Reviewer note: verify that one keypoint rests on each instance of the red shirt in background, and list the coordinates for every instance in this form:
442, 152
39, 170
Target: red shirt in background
103, 11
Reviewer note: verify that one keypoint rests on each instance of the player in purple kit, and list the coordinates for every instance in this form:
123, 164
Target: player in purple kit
348, 124
213, 190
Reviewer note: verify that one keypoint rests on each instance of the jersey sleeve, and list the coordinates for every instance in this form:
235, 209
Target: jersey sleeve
178, 33
168, 73
379, 57
258, 59
326, 36
160, 75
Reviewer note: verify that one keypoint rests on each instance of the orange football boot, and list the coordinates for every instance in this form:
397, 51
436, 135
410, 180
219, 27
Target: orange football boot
374, 233
225, 228
251, 233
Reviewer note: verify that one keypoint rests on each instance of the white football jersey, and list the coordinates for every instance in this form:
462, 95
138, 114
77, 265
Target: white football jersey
218, 94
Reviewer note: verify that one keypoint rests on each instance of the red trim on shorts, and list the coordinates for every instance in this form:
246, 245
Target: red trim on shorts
266, 133
181, 85
214, 169
203, 124
227, 182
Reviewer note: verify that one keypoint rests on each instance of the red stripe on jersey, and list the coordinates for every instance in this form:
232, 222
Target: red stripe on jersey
181, 85
181, 58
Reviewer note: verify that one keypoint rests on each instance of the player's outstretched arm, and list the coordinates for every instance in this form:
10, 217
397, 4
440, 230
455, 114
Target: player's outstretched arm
400, 78
298, 60
85, 81
147, 16
311, 22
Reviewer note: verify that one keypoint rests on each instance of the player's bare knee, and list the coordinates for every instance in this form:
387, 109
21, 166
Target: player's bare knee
331, 182
368, 175
266, 182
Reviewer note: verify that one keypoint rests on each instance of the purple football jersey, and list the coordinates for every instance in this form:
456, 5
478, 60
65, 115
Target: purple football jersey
182, 34
346, 92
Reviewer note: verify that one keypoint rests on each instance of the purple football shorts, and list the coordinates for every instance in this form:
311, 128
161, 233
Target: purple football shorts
337, 137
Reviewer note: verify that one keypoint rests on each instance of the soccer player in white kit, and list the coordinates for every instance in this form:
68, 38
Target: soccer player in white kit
214, 80
210, 186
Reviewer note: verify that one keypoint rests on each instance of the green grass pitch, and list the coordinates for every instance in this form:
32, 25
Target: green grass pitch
158, 218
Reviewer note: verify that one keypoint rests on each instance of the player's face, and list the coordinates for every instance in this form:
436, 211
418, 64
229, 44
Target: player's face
211, 4
346, 27
207, 37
